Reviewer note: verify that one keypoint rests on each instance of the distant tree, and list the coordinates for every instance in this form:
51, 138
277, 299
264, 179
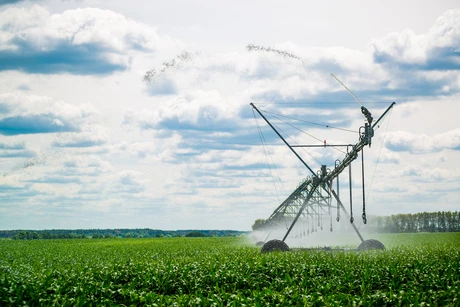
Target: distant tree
442, 225
258, 224
195, 234
20, 236
33, 235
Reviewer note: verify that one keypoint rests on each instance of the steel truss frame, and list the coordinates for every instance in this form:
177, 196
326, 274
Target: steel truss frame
313, 196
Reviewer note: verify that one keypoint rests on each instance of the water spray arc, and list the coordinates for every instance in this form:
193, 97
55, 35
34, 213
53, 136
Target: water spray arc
279, 52
312, 198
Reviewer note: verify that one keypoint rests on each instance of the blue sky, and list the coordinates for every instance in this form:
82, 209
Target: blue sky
118, 114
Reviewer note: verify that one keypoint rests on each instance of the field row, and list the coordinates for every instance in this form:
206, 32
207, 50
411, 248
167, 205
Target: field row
226, 272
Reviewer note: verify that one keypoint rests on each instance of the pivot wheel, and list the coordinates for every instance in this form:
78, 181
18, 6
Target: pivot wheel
371, 244
274, 245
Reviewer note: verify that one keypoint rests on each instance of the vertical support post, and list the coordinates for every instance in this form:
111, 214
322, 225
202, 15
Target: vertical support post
346, 213
364, 193
351, 196
307, 199
338, 192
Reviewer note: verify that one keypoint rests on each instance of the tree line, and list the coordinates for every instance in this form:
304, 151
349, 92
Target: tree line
441, 221
112, 233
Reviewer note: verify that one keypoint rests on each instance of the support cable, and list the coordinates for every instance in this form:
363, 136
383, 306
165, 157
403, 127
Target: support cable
380, 152
293, 141
309, 122
314, 137
262, 139
318, 180
349, 91
287, 144
310, 135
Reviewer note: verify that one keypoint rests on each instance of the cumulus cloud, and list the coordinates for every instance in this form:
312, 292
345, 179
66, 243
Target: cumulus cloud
139, 149
3, 2
81, 41
398, 67
127, 182
194, 110
83, 139
30, 114
163, 86
91, 165
424, 174
422, 143
409, 71
389, 157
15, 150
284, 73
437, 49
30, 124
12, 145
369, 77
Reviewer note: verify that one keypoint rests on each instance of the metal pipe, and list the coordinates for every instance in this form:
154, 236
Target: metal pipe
338, 192
285, 142
351, 194
346, 213
327, 145
310, 194
364, 193
384, 113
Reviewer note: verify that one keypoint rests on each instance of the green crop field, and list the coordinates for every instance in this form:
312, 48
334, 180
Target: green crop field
417, 269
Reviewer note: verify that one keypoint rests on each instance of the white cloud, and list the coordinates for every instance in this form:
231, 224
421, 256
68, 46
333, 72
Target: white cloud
12, 149
18, 103
191, 110
422, 143
101, 41
427, 50
389, 157
85, 165
26, 114
139, 149
82, 139
127, 182
189, 140
427, 174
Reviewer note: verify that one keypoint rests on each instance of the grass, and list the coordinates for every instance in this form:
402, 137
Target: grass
417, 269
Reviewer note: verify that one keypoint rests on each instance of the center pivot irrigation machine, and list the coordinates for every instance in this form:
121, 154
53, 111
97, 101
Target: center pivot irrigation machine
313, 197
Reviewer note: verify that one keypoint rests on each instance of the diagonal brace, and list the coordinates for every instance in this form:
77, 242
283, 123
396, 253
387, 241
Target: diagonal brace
346, 213
307, 199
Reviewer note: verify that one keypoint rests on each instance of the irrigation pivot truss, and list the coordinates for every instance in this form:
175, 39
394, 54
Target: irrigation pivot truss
313, 197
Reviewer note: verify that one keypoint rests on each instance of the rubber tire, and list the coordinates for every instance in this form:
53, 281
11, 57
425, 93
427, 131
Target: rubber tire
274, 245
370, 245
